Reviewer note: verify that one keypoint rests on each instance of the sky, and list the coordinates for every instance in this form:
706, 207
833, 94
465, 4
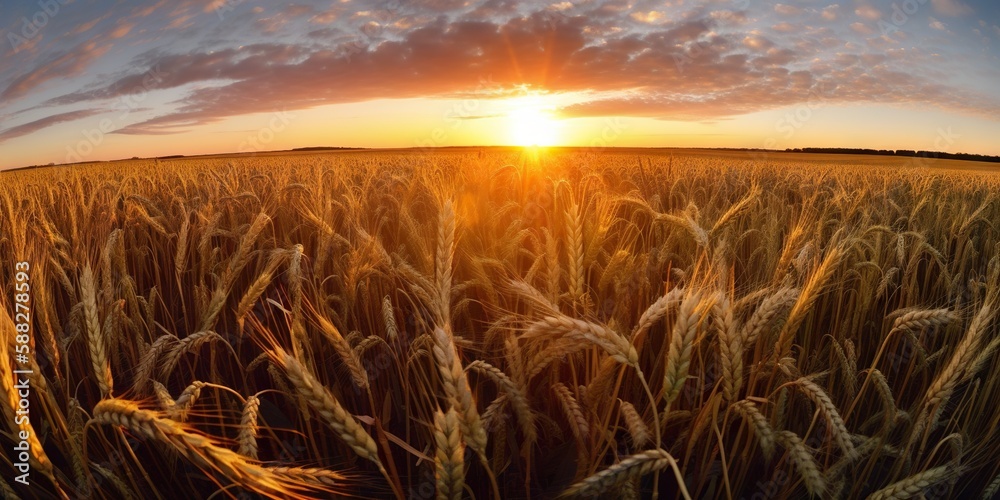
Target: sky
87, 80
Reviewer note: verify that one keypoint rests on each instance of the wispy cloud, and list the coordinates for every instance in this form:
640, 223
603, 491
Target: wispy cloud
952, 8
48, 121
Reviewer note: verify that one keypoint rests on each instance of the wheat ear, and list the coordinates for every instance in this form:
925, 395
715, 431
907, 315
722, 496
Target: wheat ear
763, 317
553, 327
389, 318
248, 428
96, 343
631, 467
312, 476
574, 413
456, 386
449, 455
574, 251
804, 462
992, 489
821, 399
197, 448
149, 360
347, 355
186, 401
322, 401
730, 348
762, 428
681, 348
445, 256
516, 395
913, 485
636, 427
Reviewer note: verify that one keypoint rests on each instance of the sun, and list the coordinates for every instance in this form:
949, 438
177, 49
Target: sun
530, 122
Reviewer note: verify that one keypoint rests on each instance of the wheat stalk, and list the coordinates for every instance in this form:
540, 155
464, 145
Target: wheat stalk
574, 413
730, 348
456, 386
343, 349
553, 327
449, 455
822, 400
150, 358
762, 429
913, 485
248, 428
191, 343
389, 318
322, 401
514, 393
322, 478
958, 367
180, 256
765, 314
163, 396
197, 448
636, 427
804, 462
631, 467
657, 310
445, 256
186, 401
574, 251
96, 343
681, 347
991, 490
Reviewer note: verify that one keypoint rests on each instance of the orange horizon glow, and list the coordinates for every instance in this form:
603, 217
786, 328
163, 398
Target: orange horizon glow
158, 80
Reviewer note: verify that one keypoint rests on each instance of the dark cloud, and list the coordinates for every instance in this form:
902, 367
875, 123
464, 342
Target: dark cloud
46, 122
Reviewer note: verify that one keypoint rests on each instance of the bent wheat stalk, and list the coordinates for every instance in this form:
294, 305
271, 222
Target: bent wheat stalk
635, 466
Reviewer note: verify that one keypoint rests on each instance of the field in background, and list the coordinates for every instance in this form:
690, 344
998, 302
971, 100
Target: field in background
506, 323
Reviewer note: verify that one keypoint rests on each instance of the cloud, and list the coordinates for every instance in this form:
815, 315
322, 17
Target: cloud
756, 42
46, 122
699, 65
831, 12
215, 5
647, 17
861, 29
866, 11
951, 8
324, 17
83, 28
787, 10
728, 17
67, 64
938, 25
121, 30
784, 28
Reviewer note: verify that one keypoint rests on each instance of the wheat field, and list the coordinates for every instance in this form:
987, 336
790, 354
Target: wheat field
504, 324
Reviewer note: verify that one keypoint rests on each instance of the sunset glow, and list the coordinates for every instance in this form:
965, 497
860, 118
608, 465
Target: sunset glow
99, 80
531, 123
500, 249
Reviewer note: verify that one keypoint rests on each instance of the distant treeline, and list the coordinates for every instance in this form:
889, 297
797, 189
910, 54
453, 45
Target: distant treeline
324, 148
898, 152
